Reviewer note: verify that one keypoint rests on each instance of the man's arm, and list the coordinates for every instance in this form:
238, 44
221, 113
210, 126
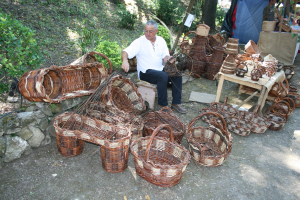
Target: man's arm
125, 64
166, 59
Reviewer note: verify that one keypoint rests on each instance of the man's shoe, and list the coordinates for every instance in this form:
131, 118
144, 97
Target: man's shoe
179, 108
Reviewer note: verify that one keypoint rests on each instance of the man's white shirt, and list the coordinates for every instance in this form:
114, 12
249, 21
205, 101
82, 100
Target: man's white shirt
147, 56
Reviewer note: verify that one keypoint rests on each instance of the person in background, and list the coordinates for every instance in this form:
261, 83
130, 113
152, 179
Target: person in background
268, 13
151, 51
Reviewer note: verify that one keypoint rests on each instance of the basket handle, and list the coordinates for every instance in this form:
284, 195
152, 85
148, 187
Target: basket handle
104, 56
187, 34
244, 67
166, 108
208, 113
167, 126
269, 110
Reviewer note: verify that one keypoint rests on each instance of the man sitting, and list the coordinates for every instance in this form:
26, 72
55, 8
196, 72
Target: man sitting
151, 51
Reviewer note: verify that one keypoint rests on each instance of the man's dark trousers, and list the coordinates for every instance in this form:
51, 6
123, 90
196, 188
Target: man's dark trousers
161, 78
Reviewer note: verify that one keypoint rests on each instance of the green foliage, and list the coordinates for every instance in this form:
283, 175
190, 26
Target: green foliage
220, 15
169, 11
19, 51
112, 50
163, 32
88, 39
128, 20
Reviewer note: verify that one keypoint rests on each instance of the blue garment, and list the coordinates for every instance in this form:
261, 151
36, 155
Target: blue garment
161, 78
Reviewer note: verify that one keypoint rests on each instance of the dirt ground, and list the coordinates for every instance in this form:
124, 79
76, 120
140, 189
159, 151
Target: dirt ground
260, 166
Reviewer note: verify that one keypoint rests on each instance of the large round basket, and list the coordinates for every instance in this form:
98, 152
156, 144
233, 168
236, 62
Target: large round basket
154, 119
158, 160
114, 140
209, 146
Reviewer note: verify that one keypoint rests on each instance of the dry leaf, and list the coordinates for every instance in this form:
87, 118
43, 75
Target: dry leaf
133, 172
147, 197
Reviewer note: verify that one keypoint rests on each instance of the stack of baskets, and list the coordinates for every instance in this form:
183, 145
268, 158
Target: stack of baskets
228, 66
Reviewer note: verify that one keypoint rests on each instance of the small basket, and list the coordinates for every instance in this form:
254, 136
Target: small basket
277, 120
279, 89
268, 26
224, 109
258, 124
154, 119
296, 98
238, 125
289, 72
171, 69
293, 88
241, 71
203, 29
251, 47
209, 146
158, 160
255, 74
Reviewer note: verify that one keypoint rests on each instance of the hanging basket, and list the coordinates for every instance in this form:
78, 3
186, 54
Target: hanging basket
164, 116
209, 146
158, 160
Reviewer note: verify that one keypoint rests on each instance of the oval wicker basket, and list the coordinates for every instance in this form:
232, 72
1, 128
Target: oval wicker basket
209, 146
154, 119
158, 160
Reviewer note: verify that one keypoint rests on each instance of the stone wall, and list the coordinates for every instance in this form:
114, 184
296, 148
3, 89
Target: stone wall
23, 131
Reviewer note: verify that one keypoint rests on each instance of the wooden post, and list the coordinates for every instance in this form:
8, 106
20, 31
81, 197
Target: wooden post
182, 25
281, 17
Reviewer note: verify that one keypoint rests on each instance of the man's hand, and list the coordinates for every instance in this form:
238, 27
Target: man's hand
125, 65
168, 59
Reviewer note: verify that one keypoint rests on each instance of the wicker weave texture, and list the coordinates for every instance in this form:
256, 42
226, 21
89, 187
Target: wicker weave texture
158, 160
209, 146
55, 84
164, 116
114, 140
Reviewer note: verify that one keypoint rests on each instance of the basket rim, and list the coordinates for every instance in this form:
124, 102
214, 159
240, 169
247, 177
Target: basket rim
180, 165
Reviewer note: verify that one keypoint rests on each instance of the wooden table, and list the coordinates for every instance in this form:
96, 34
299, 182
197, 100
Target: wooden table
263, 86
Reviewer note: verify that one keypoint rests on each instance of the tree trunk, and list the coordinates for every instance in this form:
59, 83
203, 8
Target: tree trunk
287, 8
209, 13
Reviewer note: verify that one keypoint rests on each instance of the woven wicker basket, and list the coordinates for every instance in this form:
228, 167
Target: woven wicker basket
268, 26
257, 124
122, 94
277, 120
185, 46
158, 160
55, 84
114, 140
117, 117
223, 108
279, 89
251, 48
164, 116
69, 145
209, 146
289, 72
238, 125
